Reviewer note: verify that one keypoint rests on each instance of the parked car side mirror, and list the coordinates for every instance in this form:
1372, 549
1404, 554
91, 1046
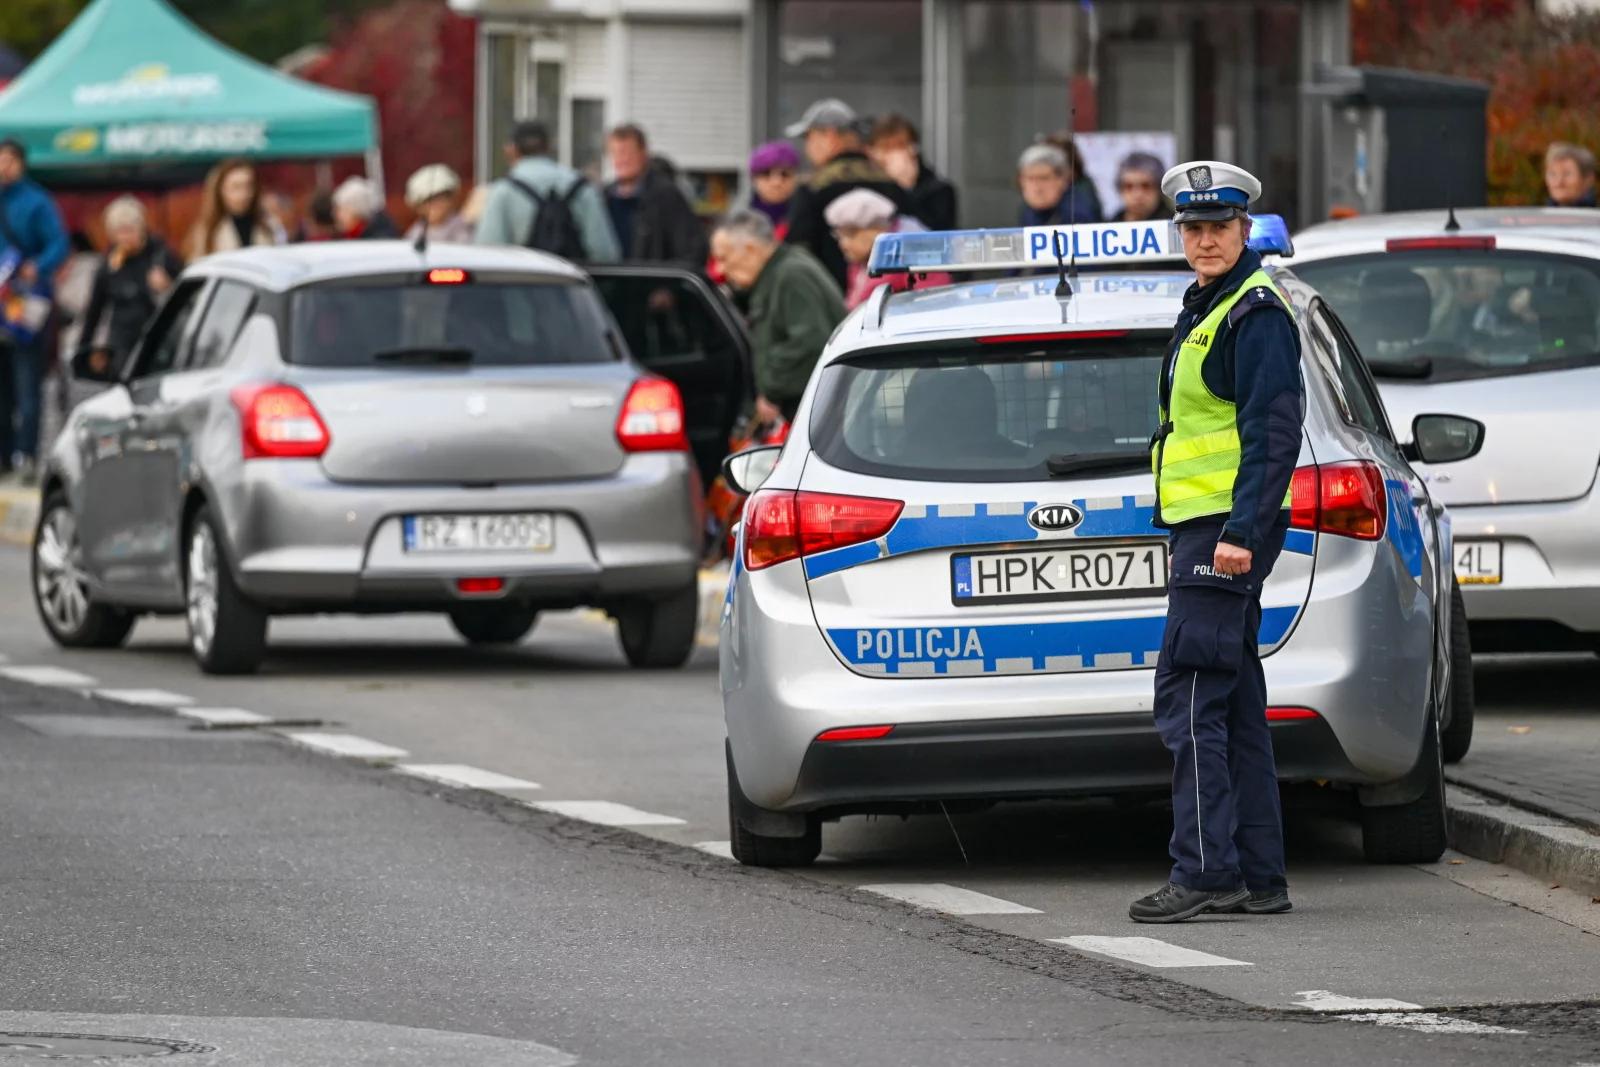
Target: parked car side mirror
745, 471
94, 365
1444, 438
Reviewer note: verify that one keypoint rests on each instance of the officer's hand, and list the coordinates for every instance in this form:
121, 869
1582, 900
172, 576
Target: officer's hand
1231, 559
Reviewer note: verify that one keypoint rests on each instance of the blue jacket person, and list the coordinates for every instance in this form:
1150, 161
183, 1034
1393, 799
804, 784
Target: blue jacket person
1231, 412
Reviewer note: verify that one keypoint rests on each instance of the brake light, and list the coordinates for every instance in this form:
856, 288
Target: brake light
652, 418
855, 733
479, 586
781, 524
279, 421
1290, 714
1055, 335
1414, 244
447, 276
1339, 498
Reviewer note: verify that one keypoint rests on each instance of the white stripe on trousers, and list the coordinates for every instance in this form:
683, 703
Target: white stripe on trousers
1199, 829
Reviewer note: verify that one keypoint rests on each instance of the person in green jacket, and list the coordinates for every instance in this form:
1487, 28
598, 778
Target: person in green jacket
794, 307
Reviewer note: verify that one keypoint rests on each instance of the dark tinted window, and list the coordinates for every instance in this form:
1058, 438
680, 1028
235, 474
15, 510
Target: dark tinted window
967, 415
226, 311
486, 324
1446, 314
164, 341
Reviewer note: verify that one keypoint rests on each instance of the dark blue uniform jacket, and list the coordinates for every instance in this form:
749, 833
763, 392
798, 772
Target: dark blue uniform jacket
1255, 363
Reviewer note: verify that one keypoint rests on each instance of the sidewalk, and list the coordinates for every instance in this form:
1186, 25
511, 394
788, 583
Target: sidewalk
19, 513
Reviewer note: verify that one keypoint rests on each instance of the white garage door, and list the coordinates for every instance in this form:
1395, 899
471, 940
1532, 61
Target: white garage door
686, 87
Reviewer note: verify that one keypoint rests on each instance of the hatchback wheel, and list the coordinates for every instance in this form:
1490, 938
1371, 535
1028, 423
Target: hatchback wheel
1417, 832
61, 588
503, 624
227, 633
660, 633
1457, 737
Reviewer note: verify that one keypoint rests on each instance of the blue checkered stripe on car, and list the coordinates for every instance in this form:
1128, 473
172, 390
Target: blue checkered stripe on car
929, 526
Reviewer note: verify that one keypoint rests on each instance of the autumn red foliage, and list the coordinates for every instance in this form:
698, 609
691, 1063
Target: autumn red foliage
1543, 72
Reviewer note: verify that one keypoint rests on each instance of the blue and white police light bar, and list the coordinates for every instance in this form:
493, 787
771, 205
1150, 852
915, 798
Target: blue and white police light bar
1034, 247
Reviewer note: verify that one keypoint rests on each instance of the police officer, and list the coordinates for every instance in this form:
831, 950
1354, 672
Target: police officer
1231, 410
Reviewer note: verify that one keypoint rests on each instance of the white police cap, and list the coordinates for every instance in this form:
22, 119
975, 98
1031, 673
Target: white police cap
1205, 190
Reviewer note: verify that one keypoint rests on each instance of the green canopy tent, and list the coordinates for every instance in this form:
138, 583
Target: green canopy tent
133, 93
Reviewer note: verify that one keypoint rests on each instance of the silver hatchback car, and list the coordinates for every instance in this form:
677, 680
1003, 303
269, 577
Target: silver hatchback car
948, 588
366, 427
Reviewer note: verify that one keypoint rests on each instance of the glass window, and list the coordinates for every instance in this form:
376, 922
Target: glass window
865, 52
955, 414
1341, 368
502, 54
497, 325
225, 314
1453, 314
164, 344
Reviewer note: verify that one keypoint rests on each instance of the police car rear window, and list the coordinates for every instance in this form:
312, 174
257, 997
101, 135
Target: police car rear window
980, 413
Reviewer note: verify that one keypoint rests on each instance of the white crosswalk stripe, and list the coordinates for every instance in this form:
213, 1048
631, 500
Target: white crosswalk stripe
1147, 951
604, 813
56, 676
150, 698
349, 745
462, 775
952, 900
224, 716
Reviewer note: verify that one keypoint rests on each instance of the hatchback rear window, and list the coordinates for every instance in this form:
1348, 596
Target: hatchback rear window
967, 413
1451, 314
499, 324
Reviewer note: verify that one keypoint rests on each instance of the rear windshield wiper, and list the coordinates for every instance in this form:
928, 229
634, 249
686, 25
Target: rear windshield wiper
1415, 368
1064, 463
424, 354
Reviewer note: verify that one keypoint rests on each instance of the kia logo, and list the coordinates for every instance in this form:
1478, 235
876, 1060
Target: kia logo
1054, 517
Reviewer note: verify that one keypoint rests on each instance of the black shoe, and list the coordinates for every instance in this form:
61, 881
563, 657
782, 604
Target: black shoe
1173, 903
1266, 902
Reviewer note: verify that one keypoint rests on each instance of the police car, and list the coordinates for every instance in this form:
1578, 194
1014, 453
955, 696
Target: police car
947, 586
1493, 312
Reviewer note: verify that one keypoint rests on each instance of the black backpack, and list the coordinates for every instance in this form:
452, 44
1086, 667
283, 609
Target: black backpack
555, 227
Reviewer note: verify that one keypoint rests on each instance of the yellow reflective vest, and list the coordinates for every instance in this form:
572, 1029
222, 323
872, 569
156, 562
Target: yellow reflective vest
1196, 452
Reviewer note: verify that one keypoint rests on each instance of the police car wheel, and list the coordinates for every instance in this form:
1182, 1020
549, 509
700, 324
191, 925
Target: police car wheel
759, 850
1417, 832
660, 633
1457, 735
502, 624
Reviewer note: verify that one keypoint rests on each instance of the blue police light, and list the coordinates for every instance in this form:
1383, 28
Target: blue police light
1033, 247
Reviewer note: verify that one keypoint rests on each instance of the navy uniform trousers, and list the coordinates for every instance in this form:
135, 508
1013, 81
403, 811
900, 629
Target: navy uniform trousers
1211, 711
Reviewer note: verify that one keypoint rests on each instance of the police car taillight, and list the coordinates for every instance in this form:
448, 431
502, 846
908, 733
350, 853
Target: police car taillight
1347, 499
782, 524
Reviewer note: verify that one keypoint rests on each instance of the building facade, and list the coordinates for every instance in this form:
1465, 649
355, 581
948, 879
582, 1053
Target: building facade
982, 78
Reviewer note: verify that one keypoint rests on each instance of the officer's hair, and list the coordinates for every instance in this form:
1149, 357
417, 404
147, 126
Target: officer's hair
747, 225
1560, 150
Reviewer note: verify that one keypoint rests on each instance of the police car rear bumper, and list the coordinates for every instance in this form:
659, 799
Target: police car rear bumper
1019, 759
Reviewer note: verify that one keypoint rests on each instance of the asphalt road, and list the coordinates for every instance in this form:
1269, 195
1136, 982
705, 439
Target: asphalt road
229, 889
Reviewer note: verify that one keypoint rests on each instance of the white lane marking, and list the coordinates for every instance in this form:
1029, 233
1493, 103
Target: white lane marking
1147, 951
224, 716
462, 775
950, 899
720, 849
349, 745
58, 676
150, 698
1325, 1000
604, 812
1428, 1022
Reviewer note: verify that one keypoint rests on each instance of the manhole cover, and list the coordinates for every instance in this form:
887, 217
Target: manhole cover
15, 1044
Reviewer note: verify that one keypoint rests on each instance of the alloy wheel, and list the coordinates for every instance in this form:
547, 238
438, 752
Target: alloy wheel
202, 588
59, 579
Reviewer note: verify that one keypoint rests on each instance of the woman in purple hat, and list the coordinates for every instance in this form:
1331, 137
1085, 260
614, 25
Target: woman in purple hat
774, 176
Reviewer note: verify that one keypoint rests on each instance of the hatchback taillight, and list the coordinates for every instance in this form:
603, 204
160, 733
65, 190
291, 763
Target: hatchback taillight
277, 422
652, 418
781, 524
1339, 498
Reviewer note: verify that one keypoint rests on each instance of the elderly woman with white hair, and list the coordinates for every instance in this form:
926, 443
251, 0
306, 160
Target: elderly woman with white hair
137, 270
434, 192
857, 219
358, 212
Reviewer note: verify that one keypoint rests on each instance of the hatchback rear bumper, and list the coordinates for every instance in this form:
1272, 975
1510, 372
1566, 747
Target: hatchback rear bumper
1550, 571
301, 542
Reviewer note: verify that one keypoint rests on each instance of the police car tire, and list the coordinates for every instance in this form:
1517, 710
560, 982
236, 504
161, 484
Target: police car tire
759, 850
102, 626
1417, 832
502, 624
660, 634
1457, 737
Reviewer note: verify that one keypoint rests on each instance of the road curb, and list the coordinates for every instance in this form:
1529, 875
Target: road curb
19, 513
1538, 844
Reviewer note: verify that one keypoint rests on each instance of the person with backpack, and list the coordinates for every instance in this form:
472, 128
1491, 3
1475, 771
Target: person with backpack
544, 205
